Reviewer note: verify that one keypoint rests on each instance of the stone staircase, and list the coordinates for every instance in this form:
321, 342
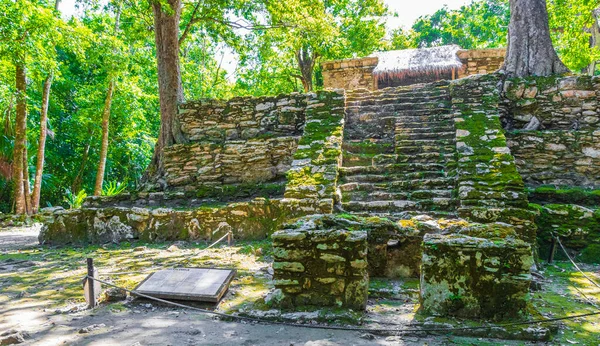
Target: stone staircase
399, 152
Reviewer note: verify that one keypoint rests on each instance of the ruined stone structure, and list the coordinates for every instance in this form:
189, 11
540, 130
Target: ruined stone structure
410, 66
455, 182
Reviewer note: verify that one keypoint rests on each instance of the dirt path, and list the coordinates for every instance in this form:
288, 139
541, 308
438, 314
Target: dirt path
15, 238
141, 322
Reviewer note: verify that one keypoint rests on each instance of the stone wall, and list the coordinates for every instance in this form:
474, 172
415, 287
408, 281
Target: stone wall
257, 160
551, 103
553, 132
243, 140
247, 220
480, 61
350, 74
312, 179
489, 187
560, 158
319, 263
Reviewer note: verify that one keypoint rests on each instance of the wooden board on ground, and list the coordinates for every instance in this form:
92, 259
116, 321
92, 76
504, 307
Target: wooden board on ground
197, 284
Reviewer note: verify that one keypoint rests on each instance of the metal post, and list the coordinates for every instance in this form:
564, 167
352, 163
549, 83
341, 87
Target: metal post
90, 283
552, 250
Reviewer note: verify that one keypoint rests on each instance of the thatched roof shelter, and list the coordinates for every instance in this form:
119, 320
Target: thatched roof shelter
417, 64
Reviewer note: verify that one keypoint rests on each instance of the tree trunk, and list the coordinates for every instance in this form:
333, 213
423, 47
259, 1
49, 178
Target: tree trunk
20, 137
106, 118
39, 167
104, 145
530, 51
26, 189
76, 187
166, 34
306, 64
594, 39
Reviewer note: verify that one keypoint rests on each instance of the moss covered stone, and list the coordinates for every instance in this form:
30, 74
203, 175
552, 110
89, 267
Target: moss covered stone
474, 276
578, 227
326, 266
247, 220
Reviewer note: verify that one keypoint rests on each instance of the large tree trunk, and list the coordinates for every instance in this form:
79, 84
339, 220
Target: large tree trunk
594, 39
104, 145
530, 51
20, 138
39, 167
166, 32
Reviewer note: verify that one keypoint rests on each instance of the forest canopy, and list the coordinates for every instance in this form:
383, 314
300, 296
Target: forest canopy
86, 87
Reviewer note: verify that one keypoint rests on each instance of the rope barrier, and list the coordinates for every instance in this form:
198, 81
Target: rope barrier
575, 264
183, 260
357, 329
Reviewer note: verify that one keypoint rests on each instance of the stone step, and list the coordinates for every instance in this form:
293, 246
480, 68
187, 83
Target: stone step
393, 168
401, 185
407, 214
396, 111
398, 99
432, 156
404, 95
395, 206
494, 203
377, 195
415, 149
435, 124
426, 142
403, 102
381, 178
362, 192
371, 146
433, 127
425, 135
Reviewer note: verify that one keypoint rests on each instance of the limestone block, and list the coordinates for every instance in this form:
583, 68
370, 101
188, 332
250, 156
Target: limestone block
320, 261
475, 277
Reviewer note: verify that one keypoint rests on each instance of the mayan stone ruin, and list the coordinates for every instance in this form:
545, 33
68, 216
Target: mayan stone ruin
459, 182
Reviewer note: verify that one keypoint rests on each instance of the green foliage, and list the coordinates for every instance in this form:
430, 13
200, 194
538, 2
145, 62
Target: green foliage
484, 24
570, 22
75, 201
480, 24
113, 188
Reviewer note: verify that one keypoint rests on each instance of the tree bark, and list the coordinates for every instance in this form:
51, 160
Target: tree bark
166, 34
530, 51
104, 145
594, 39
106, 118
39, 167
76, 187
27, 191
20, 137
306, 63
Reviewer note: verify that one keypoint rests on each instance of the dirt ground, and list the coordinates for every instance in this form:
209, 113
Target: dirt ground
41, 298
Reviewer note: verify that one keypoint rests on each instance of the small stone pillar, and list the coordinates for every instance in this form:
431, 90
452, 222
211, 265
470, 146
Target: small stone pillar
476, 274
321, 264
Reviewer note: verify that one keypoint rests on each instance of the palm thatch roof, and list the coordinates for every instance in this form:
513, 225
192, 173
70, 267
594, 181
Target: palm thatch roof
411, 63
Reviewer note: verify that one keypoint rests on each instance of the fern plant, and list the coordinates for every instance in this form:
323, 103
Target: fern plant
75, 201
113, 188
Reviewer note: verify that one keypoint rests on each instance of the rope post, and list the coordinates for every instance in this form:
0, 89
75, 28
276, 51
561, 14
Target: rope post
229, 238
91, 293
552, 249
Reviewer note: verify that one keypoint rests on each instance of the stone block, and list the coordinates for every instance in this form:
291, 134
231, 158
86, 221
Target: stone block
482, 276
332, 270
